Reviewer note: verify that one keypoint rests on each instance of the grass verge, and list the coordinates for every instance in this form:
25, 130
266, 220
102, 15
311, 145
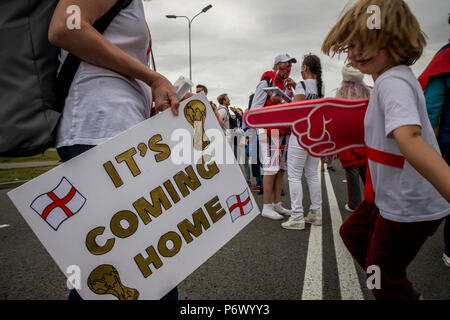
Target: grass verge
11, 175
49, 155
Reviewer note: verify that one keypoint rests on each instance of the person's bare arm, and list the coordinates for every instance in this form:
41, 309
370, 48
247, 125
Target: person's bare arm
299, 97
424, 158
89, 45
277, 99
219, 118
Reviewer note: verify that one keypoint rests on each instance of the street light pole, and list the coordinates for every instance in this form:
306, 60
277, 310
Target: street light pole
190, 37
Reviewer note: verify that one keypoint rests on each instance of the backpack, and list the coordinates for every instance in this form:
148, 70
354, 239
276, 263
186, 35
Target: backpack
31, 92
234, 122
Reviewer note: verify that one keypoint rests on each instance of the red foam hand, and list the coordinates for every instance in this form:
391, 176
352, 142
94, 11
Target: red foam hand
324, 127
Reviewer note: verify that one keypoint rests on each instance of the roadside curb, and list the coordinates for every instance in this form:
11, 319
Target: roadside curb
12, 184
23, 165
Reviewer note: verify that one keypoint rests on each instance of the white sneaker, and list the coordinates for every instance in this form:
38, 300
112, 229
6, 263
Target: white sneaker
271, 214
446, 259
294, 223
280, 209
348, 208
314, 218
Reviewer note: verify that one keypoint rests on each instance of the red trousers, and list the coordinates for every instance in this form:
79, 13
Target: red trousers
375, 241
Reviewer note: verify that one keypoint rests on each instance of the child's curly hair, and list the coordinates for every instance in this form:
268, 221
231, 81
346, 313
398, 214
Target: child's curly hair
400, 32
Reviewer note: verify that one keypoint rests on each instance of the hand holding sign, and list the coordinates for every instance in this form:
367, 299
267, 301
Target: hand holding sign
324, 127
137, 222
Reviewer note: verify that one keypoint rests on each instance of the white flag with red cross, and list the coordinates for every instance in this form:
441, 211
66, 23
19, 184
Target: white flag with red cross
60, 204
239, 205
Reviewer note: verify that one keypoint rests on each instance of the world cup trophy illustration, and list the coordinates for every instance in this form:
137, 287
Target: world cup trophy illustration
106, 280
195, 114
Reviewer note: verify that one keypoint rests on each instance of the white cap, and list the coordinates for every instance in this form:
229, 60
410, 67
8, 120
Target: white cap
284, 58
351, 74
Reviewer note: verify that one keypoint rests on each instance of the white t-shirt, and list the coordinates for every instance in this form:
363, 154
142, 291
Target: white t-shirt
311, 89
260, 99
310, 93
224, 114
102, 103
402, 195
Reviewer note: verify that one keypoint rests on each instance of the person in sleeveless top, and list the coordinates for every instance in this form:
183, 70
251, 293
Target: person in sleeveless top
113, 88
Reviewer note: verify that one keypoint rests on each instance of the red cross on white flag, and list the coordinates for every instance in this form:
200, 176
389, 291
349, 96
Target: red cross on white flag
276, 148
58, 205
239, 205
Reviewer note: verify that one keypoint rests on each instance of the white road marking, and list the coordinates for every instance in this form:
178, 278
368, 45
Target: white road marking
313, 282
4, 226
348, 278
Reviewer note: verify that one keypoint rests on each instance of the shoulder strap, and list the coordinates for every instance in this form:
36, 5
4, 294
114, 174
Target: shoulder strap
268, 80
303, 85
71, 64
226, 110
103, 23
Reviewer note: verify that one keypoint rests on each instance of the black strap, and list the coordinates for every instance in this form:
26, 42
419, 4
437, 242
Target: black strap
269, 84
71, 64
303, 85
268, 80
101, 24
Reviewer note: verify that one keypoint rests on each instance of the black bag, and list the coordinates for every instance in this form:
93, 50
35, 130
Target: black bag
31, 94
234, 122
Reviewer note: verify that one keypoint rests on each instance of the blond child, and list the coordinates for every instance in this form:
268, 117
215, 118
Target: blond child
410, 181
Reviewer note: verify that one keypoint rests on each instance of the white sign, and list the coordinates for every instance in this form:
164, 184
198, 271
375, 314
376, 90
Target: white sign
134, 220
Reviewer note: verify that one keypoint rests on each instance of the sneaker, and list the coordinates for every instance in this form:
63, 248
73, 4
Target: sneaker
271, 214
294, 223
314, 218
255, 188
330, 168
446, 259
347, 207
280, 209
261, 190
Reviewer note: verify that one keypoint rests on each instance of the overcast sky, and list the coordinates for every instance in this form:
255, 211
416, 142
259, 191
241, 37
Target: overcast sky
237, 40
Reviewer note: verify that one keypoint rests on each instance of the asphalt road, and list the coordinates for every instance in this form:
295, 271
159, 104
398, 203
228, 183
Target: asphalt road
263, 262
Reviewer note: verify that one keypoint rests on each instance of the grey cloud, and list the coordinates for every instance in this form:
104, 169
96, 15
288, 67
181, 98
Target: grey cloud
236, 41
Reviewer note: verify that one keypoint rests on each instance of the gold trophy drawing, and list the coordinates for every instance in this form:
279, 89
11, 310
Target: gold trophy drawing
195, 114
106, 280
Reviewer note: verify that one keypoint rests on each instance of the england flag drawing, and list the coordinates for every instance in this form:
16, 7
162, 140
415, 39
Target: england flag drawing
239, 205
58, 205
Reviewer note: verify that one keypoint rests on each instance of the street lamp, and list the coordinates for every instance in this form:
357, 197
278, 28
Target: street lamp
171, 16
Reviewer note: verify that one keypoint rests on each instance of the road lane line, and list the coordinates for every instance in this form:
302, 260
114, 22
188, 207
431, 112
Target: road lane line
4, 226
348, 278
313, 282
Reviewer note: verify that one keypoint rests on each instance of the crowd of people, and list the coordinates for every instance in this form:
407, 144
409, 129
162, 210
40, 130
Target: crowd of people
392, 203
268, 171
402, 205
